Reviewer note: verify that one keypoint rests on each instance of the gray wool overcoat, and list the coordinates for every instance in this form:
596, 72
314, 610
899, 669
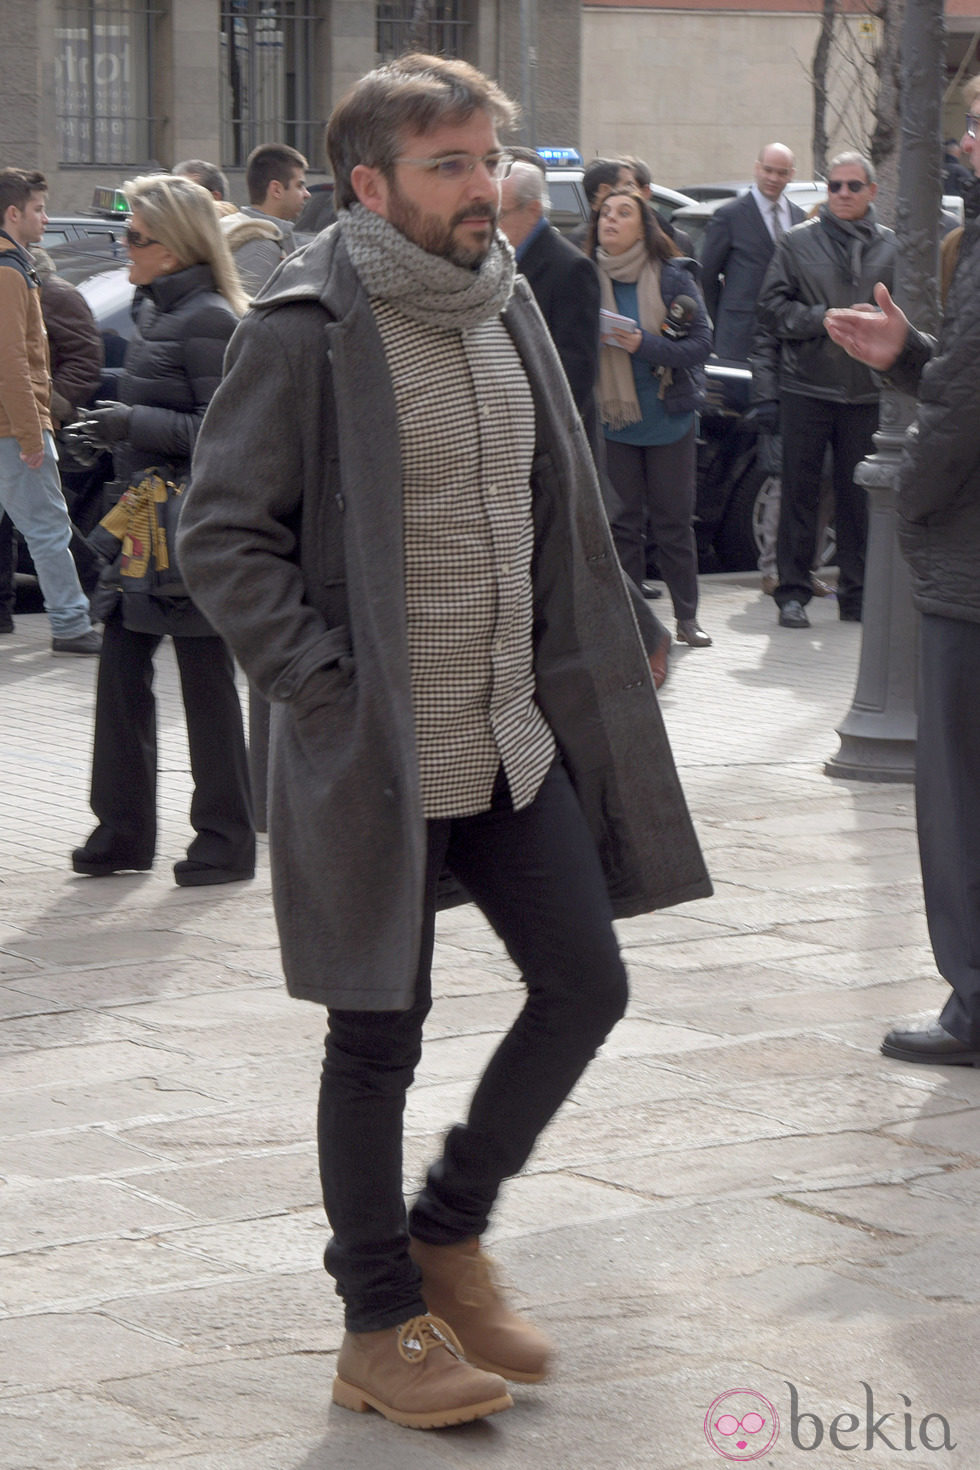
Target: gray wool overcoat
291, 542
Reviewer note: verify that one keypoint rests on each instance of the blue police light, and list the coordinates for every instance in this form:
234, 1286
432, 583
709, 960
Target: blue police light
561, 157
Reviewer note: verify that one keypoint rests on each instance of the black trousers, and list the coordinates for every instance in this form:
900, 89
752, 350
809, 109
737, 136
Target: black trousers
809, 425
947, 799
650, 493
124, 757
536, 875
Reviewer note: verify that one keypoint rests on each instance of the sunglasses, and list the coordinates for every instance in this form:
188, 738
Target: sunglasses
854, 185
136, 241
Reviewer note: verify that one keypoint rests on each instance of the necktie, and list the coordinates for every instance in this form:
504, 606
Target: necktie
777, 225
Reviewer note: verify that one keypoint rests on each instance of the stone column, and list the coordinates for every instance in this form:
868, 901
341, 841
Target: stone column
878, 733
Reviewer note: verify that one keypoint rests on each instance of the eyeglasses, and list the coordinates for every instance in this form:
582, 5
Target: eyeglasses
971, 124
854, 185
136, 241
453, 168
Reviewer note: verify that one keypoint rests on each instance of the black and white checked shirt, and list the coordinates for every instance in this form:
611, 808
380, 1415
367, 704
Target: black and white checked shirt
466, 430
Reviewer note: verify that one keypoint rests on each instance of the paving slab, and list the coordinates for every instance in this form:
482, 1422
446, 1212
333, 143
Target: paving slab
740, 1192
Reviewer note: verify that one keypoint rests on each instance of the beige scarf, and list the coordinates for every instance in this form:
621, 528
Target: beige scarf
618, 404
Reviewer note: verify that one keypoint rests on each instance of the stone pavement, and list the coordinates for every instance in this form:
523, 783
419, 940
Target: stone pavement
741, 1194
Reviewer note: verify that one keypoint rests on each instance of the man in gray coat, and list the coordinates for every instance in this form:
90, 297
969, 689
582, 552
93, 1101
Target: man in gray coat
395, 521
275, 176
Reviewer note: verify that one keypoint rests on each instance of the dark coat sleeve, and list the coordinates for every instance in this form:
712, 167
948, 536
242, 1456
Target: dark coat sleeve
77, 354
942, 448
684, 352
573, 320
714, 255
764, 362
172, 433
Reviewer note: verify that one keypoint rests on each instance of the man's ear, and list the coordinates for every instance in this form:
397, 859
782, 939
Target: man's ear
371, 188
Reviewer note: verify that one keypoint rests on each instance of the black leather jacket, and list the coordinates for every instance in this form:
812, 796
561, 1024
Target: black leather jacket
817, 265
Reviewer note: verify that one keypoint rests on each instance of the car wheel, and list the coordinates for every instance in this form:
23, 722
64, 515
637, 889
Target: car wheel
739, 540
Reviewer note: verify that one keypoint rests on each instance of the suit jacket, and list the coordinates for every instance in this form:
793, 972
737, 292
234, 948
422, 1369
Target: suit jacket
566, 287
738, 247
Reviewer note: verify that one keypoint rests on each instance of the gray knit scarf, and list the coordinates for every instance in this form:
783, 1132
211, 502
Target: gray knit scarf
427, 288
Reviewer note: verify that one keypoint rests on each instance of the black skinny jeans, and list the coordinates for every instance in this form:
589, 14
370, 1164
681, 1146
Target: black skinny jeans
536, 876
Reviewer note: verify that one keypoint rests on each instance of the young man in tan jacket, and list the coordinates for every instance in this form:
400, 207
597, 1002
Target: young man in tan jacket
30, 488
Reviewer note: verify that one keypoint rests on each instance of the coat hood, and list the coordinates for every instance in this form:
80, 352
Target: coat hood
239, 228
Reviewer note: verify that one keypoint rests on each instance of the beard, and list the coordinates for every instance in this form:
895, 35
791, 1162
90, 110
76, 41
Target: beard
436, 235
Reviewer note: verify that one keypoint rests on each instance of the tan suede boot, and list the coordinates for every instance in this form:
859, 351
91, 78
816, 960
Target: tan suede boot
458, 1286
415, 1375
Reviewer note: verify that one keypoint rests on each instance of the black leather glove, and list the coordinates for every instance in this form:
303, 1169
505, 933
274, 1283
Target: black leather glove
763, 416
80, 445
106, 423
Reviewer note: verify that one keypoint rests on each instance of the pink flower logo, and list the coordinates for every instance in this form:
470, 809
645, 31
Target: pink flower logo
741, 1425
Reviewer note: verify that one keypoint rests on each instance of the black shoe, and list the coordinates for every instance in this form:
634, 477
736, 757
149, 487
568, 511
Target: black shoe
103, 864
650, 592
6, 623
189, 874
848, 615
932, 1043
792, 615
689, 631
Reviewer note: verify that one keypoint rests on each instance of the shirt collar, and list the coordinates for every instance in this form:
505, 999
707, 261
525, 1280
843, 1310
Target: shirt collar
765, 205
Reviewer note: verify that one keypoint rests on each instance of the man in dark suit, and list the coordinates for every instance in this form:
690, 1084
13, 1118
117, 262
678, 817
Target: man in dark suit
738, 246
566, 288
564, 281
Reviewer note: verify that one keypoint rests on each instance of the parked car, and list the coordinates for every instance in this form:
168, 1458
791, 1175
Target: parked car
80, 244
570, 208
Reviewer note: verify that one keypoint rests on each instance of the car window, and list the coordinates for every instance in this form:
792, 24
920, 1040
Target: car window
54, 237
567, 198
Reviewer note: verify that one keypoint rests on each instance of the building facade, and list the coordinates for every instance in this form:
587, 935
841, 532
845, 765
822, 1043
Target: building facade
695, 87
95, 91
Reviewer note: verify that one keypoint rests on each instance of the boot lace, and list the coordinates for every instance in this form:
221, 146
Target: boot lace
419, 1335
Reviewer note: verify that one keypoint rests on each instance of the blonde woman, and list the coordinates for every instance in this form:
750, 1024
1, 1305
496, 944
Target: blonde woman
188, 301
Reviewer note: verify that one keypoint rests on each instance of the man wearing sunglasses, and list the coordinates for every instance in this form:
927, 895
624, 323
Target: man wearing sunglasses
395, 521
825, 397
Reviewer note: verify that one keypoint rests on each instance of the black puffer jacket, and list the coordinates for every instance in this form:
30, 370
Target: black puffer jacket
173, 365
939, 477
817, 265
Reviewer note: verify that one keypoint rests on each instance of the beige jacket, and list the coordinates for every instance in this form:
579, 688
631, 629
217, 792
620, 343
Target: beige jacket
25, 369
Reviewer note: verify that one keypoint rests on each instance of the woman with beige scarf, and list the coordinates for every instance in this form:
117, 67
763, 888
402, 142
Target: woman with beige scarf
650, 386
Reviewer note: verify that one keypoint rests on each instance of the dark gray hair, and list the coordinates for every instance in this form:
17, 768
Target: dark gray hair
849, 158
414, 94
208, 175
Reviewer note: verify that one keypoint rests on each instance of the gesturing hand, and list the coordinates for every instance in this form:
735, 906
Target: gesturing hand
873, 334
